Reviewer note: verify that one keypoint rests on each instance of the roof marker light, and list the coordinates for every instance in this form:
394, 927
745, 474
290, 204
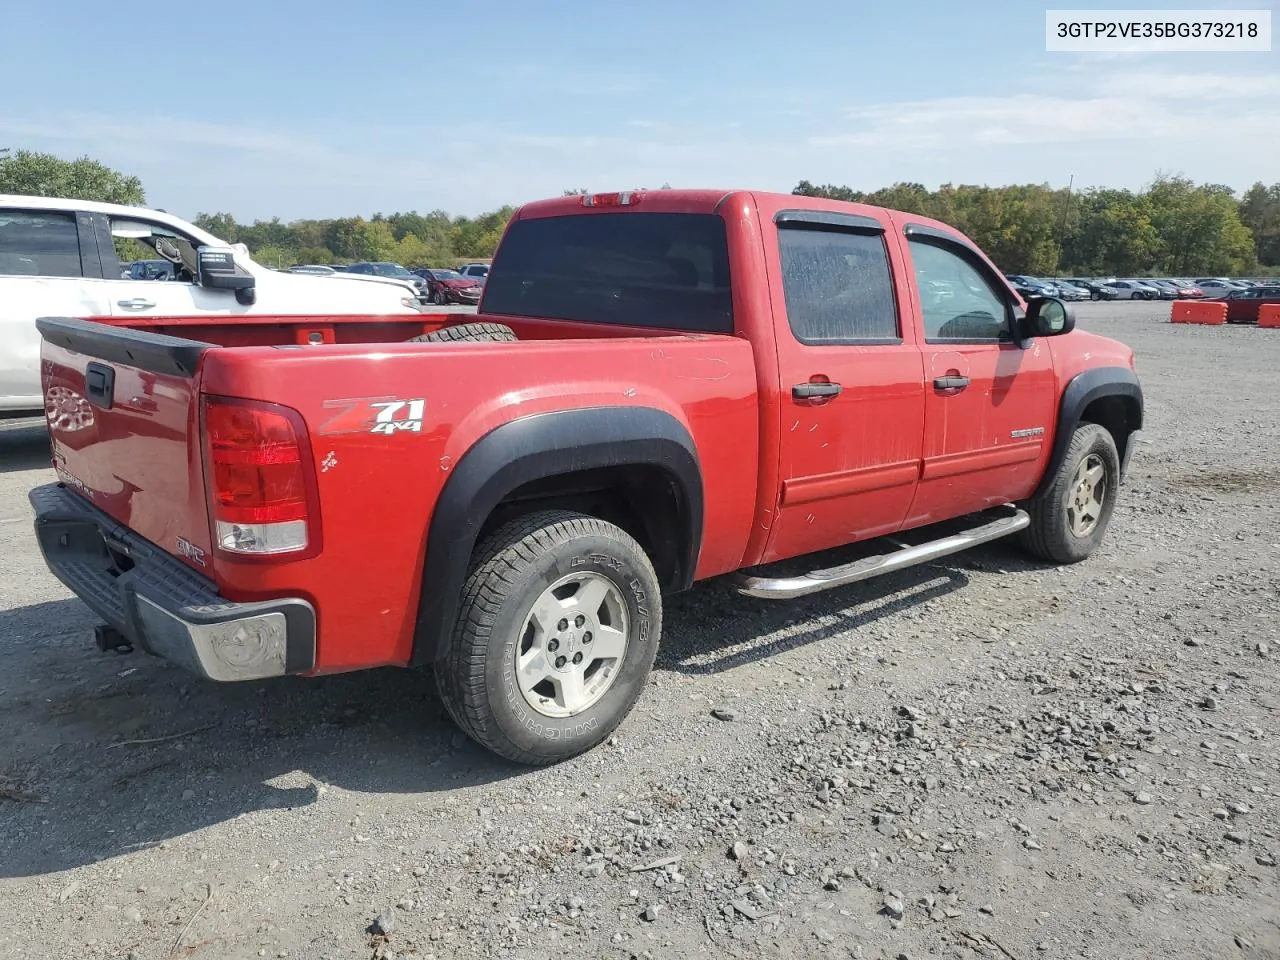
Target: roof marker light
626, 198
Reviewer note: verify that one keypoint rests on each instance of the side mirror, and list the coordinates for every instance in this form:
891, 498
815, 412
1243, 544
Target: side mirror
1048, 317
217, 269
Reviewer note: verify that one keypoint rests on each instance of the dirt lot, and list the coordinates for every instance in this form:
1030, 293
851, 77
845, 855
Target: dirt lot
977, 758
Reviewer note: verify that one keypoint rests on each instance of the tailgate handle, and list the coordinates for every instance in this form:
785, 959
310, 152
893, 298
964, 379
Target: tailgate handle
100, 384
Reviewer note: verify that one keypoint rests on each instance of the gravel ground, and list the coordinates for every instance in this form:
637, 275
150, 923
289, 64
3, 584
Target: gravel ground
979, 758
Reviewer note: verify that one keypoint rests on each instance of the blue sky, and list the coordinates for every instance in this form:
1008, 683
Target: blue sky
328, 109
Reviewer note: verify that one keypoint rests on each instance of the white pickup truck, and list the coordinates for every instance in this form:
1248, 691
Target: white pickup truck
59, 258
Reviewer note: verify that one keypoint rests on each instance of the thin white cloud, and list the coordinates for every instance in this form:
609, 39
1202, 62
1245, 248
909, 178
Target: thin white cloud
1163, 107
1164, 85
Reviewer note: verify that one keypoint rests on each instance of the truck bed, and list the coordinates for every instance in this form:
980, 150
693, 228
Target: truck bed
385, 424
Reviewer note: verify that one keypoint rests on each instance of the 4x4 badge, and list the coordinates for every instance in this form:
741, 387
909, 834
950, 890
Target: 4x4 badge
384, 415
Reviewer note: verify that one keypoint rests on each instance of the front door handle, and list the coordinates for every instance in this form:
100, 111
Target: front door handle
812, 390
950, 383
137, 303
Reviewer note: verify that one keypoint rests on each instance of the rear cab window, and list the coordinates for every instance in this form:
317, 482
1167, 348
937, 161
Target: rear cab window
664, 270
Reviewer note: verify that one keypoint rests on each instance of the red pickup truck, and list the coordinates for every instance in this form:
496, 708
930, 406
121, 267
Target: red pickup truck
660, 387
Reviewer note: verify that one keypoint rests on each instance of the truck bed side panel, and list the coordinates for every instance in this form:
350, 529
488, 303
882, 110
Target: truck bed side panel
379, 479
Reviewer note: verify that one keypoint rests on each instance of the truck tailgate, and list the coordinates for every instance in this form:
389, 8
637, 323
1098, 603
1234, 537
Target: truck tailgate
122, 405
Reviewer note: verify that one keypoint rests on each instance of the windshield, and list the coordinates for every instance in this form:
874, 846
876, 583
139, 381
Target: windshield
635, 269
391, 270
446, 274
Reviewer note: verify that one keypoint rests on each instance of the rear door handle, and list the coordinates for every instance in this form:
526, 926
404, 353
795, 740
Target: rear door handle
811, 390
950, 383
137, 303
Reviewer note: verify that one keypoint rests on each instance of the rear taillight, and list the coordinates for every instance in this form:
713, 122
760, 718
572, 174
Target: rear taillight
261, 484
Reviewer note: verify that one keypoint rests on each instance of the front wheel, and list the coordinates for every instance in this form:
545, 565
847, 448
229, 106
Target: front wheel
1069, 518
440, 298
1094, 295
556, 635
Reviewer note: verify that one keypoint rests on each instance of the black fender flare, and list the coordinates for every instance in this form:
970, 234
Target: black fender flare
1082, 390
534, 448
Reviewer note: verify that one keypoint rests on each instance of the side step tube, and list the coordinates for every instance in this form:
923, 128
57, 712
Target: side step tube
784, 588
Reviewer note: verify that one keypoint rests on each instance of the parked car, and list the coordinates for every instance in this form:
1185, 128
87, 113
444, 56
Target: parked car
478, 270
312, 269
1030, 286
1131, 290
385, 269
1067, 290
57, 257
448, 286
1096, 289
151, 270
1164, 289
1186, 289
1243, 305
1218, 287
604, 435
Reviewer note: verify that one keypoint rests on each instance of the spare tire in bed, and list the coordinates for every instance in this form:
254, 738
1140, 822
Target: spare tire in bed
468, 333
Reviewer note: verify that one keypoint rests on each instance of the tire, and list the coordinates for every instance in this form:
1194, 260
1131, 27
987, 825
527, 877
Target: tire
440, 298
513, 573
1058, 532
1094, 295
469, 333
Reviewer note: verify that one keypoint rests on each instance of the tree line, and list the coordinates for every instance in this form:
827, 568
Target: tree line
414, 239
1173, 227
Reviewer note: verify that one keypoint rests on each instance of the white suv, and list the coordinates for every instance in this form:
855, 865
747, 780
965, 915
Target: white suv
478, 270
59, 258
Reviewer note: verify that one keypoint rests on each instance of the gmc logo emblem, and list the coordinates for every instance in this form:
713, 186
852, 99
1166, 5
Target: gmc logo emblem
190, 551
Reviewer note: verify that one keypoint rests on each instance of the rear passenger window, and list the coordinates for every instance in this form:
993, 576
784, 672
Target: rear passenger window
39, 244
837, 286
957, 301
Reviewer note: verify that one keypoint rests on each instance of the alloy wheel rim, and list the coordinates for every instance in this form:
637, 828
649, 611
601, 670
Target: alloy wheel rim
572, 645
1088, 495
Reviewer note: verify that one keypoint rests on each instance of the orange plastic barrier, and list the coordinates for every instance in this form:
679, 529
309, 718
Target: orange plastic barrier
1269, 316
1199, 311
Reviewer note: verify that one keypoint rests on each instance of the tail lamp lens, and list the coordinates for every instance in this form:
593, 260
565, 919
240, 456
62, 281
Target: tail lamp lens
259, 484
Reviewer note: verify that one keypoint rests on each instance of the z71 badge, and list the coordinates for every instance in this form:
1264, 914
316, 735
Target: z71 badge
383, 415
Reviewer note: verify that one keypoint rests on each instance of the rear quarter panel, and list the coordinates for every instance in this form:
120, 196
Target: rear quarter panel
377, 489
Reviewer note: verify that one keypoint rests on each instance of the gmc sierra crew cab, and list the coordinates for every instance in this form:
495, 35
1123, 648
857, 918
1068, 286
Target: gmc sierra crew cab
660, 387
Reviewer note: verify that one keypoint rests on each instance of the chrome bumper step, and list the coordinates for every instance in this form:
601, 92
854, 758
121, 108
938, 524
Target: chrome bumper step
784, 588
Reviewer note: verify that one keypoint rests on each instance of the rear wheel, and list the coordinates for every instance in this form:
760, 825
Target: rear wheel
469, 332
556, 636
1069, 519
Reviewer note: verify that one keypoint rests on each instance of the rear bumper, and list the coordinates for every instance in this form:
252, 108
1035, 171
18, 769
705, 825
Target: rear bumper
163, 606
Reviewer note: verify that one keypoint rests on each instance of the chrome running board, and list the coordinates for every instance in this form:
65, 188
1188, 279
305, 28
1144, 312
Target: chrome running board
784, 588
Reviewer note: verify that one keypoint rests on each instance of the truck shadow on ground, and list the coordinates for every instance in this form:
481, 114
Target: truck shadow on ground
713, 628
23, 446
107, 754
